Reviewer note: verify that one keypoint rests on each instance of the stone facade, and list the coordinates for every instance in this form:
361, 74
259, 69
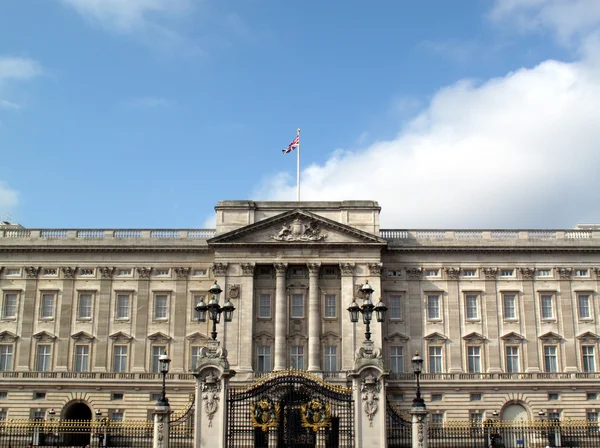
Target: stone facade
506, 320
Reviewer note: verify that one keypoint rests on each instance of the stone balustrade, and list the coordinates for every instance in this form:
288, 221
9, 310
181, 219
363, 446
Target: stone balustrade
103, 234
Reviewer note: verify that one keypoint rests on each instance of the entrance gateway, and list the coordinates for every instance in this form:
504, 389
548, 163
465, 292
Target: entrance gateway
292, 409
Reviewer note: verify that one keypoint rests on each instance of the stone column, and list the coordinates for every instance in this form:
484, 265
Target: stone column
141, 320
160, 437
281, 317
212, 382
416, 310
180, 318
493, 316
532, 363
348, 328
454, 307
419, 427
569, 310
65, 319
103, 321
28, 298
314, 318
368, 389
246, 318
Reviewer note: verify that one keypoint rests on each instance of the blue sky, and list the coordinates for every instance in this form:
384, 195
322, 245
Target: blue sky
145, 113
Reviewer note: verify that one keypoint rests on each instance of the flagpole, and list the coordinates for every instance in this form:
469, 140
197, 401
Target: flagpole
298, 169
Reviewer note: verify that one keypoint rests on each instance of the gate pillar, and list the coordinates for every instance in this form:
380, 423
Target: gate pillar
212, 382
368, 389
160, 438
419, 427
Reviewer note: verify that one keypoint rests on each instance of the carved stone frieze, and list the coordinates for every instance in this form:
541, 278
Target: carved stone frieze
370, 389
106, 271
375, 268
280, 268
233, 291
413, 273
247, 268
527, 273
144, 272
68, 271
452, 273
564, 273
490, 273
347, 268
300, 230
182, 272
32, 271
314, 268
219, 268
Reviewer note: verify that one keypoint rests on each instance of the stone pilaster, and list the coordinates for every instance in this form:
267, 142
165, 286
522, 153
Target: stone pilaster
28, 298
314, 319
103, 321
141, 320
416, 310
532, 363
493, 316
569, 308
281, 317
348, 328
455, 320
375, 282
246, 316
65, 318
220, 276
160, 437
180, 318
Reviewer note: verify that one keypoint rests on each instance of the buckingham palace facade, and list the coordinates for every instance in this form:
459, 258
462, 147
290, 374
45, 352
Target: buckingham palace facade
505, 320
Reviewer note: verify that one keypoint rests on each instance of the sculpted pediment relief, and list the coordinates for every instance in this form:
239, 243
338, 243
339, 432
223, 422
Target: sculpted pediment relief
196, 336
588, 338
120, 337
551, 337
159, 337
44, 336
396, 337
7, 336
297, 227
475, 337
512, 338
436, 338
82, 336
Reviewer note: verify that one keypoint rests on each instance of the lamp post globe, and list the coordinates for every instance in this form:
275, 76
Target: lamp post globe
214, 310
367, 308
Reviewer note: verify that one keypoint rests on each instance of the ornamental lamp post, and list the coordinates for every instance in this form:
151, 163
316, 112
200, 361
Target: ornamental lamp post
51, 416
417, 366
367, 308
214, 310
102, 429
164, 361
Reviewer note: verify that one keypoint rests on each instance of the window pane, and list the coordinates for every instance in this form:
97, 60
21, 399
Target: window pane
395, 307
160, 306
435, 359
512, 359
509, 307
472, 307
264, 306
10, 305
47, 306
123, 306
330, 305
85, 306
584, 307
157, 351
433, 307
43, 358
330, 358
81, 358
297, 306
550, 361
195, 357
474, 356
589, 360
120, 360
397, 359
547, 307
263, 358
297, 357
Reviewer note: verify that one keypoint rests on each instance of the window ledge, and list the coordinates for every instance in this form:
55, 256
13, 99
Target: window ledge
84, 319
549, 321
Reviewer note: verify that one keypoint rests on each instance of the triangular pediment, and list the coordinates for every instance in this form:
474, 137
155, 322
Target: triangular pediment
196, 336
297, 227
396, 337
120, 336
44, 336
474, 337
159, 337
82, 336
435, 337
7, 336
512, 337
588, 336
551, 337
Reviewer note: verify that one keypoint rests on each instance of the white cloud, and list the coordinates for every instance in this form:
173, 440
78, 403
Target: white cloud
8, 200
514, 151
18, 68
568, 18
126, 15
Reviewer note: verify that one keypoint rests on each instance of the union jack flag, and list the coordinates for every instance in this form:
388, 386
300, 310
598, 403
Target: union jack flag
292, 145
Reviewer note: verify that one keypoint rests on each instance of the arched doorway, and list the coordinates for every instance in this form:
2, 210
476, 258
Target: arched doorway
80, 414
515, 412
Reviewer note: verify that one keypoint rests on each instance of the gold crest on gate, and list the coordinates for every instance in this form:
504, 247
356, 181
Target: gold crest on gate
316, 415
265, 414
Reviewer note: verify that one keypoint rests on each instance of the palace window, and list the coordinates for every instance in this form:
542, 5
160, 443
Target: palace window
297, 357
510, 306
263, 355
474, 358
330, 306
43, 358
588, 358
2, 416
297, 306
591, 416
157, 352
120, 358
554, 416
507, 273
469, 272
161, 272
395, 306
432, 273
472, 306
123, 301
553, 396
9, 310
433, 307
436, 397
123, 272
590, 396
115, 416
196, 300
330, 358
160, 306
264, 306
512, 359
544, 273
82, 356
47, 305
476, 417
6, 356
550, 359
475, 397
13, 271
547, 306
437, 419
583, 301
84, 310
195, 357
435, 359
397, 359
581, 273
